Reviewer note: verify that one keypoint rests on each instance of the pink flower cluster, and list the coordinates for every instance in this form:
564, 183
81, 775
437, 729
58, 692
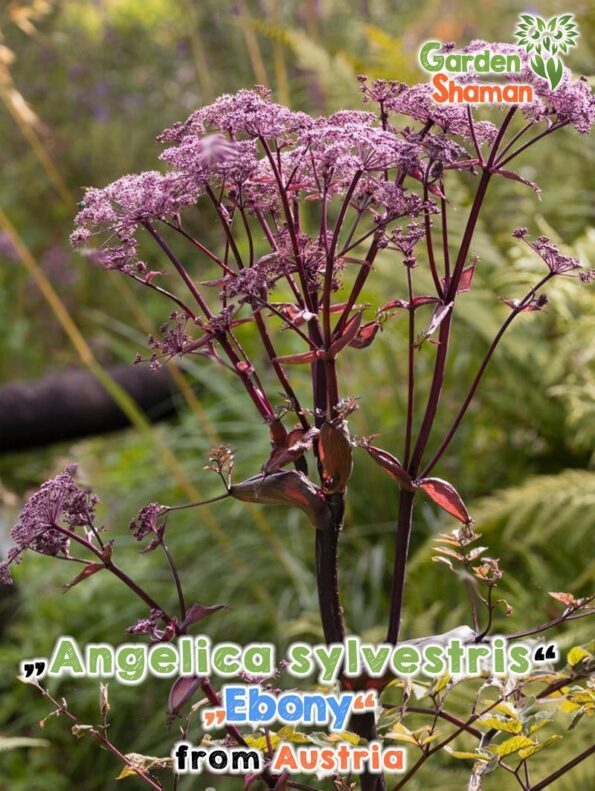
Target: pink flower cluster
60, 502
285, 188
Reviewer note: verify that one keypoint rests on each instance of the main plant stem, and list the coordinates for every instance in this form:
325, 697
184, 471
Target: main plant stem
327, 574
331, 615
326, 398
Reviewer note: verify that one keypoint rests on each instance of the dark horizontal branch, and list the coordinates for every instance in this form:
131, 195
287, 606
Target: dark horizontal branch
563, 769
72, 404
550, 624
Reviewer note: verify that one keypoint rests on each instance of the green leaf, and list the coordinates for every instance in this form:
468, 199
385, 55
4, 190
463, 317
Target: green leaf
506, 726
513, 745
144, 763
577, 718
508, 709
260, 742
538, 720
321, 739
576, 655
529, 751
400, 733
441, 683
476, 756
289, 734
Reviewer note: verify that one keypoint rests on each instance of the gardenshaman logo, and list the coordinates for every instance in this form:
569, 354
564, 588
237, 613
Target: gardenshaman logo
542, 39
546, 39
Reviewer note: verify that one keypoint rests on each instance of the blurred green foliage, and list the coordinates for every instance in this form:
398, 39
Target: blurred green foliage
85, 87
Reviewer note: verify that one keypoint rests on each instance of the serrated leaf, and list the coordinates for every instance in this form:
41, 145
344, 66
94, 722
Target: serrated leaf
506, 726
536, 721
584, 698
401, 737
346, 736
441, 683
430, 739
529, 751
508, 709
261, 742
576, 655
289, 734
322, 739
464, 756
511, 746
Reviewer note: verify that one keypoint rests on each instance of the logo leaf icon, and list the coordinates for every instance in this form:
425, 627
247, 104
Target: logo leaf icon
555, 71
538, 66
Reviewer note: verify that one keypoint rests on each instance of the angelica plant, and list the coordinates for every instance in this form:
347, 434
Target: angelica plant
306, 209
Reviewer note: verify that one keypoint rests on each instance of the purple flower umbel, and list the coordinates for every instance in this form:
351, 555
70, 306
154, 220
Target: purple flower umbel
59, 503
557, 263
